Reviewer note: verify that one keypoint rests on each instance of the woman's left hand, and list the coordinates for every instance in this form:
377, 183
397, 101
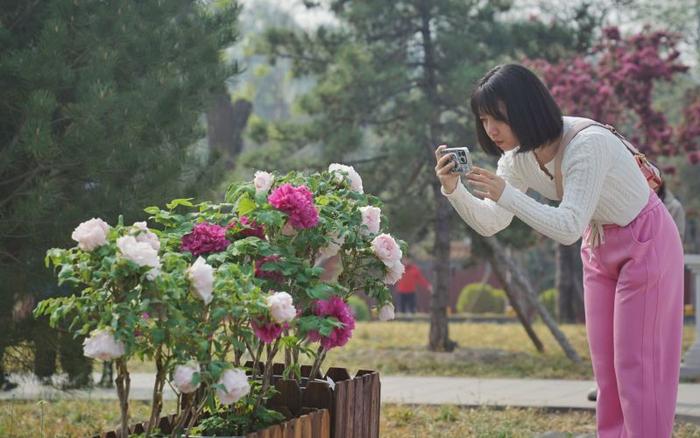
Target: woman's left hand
486, 184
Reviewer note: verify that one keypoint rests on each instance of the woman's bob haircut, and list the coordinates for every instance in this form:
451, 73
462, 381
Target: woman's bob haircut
530, 110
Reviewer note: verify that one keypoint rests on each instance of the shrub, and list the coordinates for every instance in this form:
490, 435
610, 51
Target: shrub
481, 298
549, 298
359, 308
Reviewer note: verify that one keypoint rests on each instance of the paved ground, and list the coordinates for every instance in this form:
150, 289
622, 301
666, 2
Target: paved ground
553, 394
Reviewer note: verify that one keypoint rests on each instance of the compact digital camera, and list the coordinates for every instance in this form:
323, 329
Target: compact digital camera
461, 157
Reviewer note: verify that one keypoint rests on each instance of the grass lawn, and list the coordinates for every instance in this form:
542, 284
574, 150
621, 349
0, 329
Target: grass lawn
485, 350
63, 419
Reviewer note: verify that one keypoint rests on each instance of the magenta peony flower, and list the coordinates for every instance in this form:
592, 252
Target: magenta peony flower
245, 227
267, 332
297, 202
205, 238
268, 273
337, 308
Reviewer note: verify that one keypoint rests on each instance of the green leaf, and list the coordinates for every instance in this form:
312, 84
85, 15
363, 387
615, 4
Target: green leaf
158, 335
321, 291
177, 202
245, 205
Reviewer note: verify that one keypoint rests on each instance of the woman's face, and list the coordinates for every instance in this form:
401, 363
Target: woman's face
499, 132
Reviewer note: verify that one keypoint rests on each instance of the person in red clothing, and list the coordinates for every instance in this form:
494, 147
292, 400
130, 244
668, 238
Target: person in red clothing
407, 286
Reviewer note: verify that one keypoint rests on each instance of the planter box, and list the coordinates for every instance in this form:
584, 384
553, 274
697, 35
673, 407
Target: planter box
312, 424
354, 402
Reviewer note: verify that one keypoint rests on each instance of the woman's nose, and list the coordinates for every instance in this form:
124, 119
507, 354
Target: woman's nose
492, 130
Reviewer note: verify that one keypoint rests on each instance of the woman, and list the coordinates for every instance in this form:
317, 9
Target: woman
631, 251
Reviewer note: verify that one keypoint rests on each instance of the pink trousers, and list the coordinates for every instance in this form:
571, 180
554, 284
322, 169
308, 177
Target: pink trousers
633, 285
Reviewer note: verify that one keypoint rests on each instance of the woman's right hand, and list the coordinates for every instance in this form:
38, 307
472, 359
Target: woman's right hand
443, 169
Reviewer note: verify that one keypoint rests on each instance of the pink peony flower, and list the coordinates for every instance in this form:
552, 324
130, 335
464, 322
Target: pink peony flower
205, 238
246, 227
102, 345
336, 308
235, 384
182, 378
394, 273
268, 332
141, 253
386, 249
201, 276
342, 172
386, 312
145, 235
262, 182
297, 202
91, 234
371, 217
269, 273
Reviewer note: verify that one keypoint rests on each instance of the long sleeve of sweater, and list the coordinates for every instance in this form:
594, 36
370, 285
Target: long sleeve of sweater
485, 216
585, 164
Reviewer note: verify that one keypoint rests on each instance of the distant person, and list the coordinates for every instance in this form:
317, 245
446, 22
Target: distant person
632, 253
408, 285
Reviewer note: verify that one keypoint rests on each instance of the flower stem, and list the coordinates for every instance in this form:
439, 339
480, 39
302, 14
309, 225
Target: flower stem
320, 356
123, 384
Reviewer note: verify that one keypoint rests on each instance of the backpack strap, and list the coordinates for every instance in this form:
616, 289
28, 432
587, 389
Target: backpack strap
577, 127
650, 172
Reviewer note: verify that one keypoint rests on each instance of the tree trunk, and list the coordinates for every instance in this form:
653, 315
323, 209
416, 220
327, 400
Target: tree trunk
529, 312
521, 282
439, 339
569, 283
225, 125
505, 278
439, 329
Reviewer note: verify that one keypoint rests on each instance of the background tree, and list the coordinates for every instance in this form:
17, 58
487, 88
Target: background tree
614, 83
393, 82
99, 105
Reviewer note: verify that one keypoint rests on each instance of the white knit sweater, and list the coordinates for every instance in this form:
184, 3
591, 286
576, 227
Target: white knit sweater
602, 185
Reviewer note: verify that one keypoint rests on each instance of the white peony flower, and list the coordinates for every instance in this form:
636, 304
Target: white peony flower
262, 182
146, 235
371, 217
386, 249
102, 345
330, 250
355, 178
182, 378
141, 253
281, 307
201, 275
91, 234
394, 273
386, 312
236, 386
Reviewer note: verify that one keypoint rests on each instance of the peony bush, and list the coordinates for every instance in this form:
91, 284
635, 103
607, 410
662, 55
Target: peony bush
208, 287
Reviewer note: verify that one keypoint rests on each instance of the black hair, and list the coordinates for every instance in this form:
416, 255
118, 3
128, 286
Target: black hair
530, 110
661, 191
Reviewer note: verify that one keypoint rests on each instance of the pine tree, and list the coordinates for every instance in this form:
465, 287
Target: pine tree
100, 103
394, 80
